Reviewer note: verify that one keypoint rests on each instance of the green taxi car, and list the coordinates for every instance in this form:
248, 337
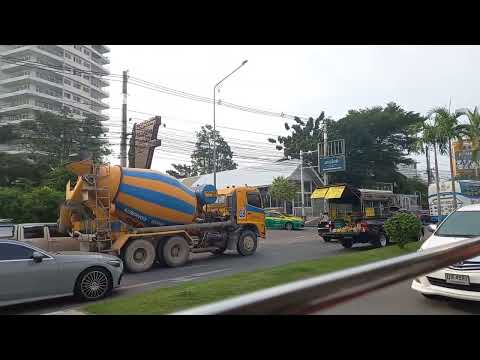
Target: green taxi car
277, 220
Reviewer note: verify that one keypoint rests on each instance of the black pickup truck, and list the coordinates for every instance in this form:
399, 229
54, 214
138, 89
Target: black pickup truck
365, 231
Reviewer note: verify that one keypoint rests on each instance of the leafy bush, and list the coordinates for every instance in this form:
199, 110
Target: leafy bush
403, 228
40, 204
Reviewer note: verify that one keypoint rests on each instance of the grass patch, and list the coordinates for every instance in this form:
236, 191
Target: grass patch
178, 297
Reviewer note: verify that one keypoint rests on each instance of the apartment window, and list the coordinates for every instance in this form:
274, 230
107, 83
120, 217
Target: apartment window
76, 98
86, 89
77, 85
67, 95
67, 82
87, 64
78, 47
86, 77
86, 52
67, 55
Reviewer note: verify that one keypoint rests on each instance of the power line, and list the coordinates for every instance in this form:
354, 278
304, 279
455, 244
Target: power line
166, 90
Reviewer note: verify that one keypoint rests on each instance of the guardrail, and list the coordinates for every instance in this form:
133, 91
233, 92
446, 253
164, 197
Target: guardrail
312, 295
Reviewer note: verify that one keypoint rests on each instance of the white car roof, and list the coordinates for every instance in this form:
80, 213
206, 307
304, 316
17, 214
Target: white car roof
473, 207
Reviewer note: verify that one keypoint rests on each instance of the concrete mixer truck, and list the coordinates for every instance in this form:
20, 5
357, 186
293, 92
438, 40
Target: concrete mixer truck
144, 216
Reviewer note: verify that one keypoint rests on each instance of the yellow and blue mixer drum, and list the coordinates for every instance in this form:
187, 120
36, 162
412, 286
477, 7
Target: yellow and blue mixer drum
156, 199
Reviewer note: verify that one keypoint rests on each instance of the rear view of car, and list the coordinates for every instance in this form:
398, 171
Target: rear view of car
461, 280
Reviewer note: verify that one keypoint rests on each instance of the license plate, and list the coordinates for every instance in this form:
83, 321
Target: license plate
457, 279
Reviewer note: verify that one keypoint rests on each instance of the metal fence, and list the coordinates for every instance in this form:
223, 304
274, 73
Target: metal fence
315, 294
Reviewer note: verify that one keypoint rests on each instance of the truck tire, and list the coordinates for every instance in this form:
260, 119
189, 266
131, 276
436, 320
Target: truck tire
347, 243
139, 256
247, 243
175, 251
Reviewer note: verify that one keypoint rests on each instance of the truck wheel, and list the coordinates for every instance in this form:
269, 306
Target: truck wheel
139, 256
347, 244
247, 243
93, 284
288, 226
175, 251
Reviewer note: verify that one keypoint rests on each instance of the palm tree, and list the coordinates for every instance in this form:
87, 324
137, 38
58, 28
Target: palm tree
447, 129
471, 132
431, 137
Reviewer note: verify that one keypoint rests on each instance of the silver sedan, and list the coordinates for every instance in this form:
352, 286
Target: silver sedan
28, 273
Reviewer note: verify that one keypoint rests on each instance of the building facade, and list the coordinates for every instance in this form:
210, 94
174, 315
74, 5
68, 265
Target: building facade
52, 78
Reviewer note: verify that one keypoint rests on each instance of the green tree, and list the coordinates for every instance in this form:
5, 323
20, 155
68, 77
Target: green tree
377, 140
303, 136
61, 138
282, 190
471, 133
202, 155
431, 135
182, 171
447, 128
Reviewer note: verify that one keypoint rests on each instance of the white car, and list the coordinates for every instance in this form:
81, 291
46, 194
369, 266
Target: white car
461, 280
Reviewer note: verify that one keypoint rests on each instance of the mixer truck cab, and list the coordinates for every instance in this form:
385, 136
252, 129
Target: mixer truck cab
147, 217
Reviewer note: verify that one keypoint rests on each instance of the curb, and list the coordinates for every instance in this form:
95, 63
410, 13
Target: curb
66, 312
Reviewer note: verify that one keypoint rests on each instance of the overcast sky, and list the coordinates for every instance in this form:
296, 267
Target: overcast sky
297, 80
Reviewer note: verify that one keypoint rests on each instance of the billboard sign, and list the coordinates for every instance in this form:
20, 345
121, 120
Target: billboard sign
143, 143
332, 163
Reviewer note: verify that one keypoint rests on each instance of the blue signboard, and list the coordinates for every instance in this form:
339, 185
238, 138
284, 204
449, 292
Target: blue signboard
332, 163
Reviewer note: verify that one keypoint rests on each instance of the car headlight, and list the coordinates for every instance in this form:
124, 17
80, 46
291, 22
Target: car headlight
115, 263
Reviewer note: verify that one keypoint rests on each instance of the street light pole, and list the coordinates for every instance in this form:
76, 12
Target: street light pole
214, 128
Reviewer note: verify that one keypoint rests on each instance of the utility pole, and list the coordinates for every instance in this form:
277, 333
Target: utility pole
123, 140
325, 150
301, 183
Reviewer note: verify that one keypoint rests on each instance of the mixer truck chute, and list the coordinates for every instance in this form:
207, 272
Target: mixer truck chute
145, 216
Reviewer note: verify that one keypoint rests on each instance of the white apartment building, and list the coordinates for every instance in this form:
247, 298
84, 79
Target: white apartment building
52, 77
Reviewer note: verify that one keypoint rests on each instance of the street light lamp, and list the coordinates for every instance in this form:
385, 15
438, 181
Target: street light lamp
214, 142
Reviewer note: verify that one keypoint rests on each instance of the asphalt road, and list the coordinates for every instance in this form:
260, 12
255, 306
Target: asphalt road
399, 299
280, 247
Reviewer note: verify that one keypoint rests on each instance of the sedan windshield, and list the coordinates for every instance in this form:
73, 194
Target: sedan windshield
461, 223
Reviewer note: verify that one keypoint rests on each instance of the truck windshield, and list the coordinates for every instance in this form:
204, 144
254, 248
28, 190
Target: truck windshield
461, 223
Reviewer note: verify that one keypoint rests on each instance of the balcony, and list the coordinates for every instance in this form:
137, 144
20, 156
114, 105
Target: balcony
17, 49
100, 60
102, 49
51, 50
